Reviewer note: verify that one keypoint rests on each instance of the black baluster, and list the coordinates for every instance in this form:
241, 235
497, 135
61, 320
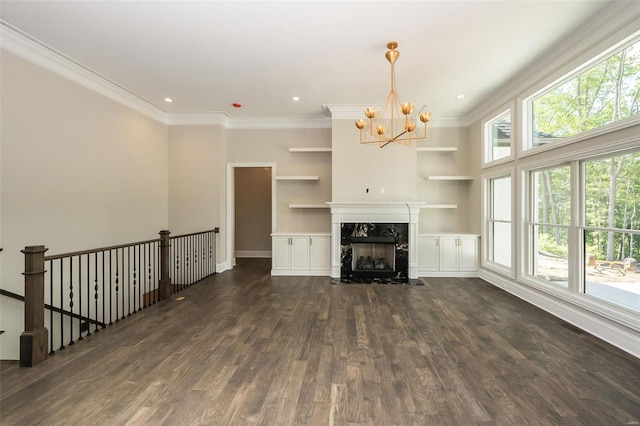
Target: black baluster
177, 252
117, 287
88, 294
123, 277
80, 298
134, 279
111, 288
61, 304
71, 300
104, 284
187, 267
51, 352
128, 280
95, 288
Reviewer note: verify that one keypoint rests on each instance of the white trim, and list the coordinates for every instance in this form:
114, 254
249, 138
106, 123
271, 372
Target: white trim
253, 253
618, 335
199, 119
221, 267
354, 112
486, 136
293, 122
32, 50
231, 202
510, 173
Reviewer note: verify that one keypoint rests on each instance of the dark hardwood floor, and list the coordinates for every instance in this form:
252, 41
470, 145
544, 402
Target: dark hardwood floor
247, 348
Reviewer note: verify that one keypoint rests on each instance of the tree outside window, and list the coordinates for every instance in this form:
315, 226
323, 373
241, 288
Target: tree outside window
608, 91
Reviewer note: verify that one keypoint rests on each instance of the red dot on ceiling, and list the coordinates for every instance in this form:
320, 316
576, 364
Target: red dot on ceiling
236, 105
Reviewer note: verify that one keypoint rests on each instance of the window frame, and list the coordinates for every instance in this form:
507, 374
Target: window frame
529, 225
526, 147
487, 159
488, 214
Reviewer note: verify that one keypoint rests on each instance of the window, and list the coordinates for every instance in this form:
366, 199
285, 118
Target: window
604, 93
550, 217
611, 231
497, 138
499, 221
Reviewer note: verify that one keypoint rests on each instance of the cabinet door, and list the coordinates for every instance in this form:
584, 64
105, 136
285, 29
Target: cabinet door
428, 253
320, 252
449, 253
300, 253
468, 254
281, 258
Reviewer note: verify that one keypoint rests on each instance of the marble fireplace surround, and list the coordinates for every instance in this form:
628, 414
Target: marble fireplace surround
375, 212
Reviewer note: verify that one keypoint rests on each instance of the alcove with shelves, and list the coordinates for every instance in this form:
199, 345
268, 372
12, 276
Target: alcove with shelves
301, 151
443, 181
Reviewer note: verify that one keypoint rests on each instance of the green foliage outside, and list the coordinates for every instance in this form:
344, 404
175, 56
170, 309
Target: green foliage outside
607, 92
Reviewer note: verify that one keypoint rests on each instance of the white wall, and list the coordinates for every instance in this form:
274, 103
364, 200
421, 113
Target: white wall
78, 171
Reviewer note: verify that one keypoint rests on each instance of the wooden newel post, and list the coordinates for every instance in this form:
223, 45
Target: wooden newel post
164, 288
34, 343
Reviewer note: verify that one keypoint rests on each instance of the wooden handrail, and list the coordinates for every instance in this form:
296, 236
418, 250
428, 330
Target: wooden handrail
214, 230
97, 250
52, 308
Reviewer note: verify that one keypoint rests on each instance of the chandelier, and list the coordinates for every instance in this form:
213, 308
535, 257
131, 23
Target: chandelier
394, 123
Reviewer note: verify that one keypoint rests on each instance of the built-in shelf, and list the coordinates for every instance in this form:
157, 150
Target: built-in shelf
297, 178
309, 149
439, 206
437, 149
309, 206
449, 177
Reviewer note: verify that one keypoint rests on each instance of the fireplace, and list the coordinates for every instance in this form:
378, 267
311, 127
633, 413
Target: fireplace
363, 233
374, 252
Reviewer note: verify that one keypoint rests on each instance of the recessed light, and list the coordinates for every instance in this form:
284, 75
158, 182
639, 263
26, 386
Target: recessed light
168, 100
460, 96
295, 98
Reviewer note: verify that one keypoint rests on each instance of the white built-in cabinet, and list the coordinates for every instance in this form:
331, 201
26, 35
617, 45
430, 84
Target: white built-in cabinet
448, 255
301, 254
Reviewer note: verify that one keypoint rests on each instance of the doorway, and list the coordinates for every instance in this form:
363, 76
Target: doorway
250, 210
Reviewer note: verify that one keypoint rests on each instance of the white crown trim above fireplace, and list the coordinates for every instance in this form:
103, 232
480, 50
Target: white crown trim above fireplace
375, 212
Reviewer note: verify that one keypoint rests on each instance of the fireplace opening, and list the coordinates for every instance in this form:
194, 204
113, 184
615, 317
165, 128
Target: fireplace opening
373, 256
374, 253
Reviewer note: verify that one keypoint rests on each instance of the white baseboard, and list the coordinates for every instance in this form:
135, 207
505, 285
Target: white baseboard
221, 267
254, 253
616, 334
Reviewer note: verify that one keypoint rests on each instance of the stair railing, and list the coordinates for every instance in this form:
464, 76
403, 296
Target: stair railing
86, 291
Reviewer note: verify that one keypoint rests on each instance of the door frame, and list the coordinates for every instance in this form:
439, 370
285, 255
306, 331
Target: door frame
231, 204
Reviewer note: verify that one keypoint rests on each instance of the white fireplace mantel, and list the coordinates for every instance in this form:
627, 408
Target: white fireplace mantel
375, 212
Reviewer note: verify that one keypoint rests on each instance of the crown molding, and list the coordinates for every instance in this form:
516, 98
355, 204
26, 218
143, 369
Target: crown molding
199, 119
354, 112
223, 119
20, 44
290, 122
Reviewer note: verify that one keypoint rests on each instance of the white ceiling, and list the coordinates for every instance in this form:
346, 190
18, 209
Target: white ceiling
207, 55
